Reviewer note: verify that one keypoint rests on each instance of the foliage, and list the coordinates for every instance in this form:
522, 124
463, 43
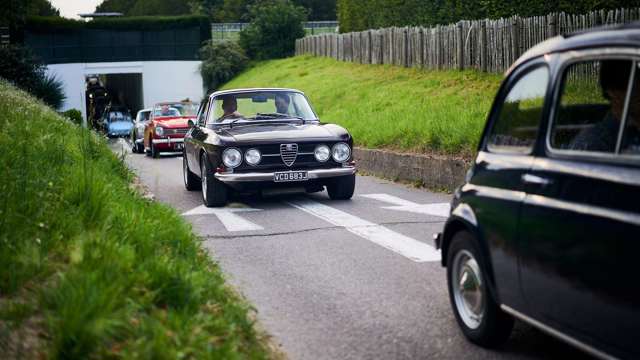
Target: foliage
50, 24
356, 15
22, 68
273, 30
95, 269
50, 90
145, 7
74, 115
17, 12
221, 61
387, 106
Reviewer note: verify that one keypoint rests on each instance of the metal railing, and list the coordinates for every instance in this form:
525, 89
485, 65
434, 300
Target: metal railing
230, 31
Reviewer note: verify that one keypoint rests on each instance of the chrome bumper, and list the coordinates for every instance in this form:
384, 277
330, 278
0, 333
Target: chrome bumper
229, 177
168, 141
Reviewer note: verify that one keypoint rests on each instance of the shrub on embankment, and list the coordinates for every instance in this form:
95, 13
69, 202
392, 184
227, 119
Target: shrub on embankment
386, 106
358, 15
91, 269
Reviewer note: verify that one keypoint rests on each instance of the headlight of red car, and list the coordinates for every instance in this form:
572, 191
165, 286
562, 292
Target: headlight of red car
159, 130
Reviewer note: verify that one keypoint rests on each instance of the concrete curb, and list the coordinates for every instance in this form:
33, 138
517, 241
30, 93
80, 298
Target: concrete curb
435, 172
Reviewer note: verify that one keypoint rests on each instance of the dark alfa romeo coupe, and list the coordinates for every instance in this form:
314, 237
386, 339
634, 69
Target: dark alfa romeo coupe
248, 140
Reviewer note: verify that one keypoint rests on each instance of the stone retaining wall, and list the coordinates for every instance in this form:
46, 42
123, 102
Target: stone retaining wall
436, 172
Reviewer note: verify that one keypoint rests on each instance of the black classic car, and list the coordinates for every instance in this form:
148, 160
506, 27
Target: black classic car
546, 227
248, 140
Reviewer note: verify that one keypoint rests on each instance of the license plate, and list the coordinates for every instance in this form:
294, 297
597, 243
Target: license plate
178, 146
290, 176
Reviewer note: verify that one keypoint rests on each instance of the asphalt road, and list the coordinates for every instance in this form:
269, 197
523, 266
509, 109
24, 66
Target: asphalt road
351, 279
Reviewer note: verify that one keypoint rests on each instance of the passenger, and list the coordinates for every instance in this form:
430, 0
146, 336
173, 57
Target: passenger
230, 108
282, 103
165, 110
603, 136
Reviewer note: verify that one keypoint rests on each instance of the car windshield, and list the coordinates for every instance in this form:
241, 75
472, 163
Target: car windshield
118, 116
261, 105
175, 109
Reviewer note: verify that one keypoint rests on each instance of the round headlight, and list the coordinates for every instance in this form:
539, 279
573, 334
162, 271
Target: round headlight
341, 152
252, 156
231, 158
322, 153
159, 130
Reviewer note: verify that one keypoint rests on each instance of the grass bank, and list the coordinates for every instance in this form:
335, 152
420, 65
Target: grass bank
386, 106
89, 268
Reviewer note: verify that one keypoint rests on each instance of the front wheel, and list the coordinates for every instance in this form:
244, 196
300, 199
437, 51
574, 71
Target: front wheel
191, 181
214, 192
476, 312
342, 188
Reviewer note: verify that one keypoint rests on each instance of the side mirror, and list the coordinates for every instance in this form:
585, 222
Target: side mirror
191, 123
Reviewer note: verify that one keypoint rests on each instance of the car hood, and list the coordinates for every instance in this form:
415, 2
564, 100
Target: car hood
120, 125
174, 122
285, 132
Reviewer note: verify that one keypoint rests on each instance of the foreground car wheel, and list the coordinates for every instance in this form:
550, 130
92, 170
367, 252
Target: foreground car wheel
342, 188
214, 192
476, 312
191, 181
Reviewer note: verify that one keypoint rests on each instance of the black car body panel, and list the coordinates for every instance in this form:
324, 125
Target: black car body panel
560, 229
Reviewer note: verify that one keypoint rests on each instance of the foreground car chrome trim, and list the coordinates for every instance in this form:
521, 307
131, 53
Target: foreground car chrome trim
168, 141
230, 177
557, 334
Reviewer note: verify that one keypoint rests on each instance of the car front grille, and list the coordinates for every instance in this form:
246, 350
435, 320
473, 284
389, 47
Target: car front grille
181, 131
288, 153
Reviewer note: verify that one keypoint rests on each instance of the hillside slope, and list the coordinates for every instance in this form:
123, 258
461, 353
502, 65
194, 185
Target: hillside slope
384, 106
91, 269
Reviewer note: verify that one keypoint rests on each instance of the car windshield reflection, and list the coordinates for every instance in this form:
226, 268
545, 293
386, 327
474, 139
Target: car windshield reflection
261, 105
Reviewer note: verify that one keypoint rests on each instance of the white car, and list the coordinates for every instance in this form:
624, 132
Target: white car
137, 132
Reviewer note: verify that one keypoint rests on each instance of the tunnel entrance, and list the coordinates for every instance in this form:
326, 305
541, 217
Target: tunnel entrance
113, 89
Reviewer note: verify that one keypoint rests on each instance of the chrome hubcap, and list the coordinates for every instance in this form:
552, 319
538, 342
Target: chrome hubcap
468, 289
185, 168
203, 176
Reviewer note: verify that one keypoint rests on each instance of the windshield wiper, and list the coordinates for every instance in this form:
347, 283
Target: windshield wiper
279, 115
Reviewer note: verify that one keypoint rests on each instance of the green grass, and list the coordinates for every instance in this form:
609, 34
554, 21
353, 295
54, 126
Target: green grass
385, 106
90, 269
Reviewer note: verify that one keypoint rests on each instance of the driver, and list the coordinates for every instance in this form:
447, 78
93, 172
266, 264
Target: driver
165, 110
230, 108
282, 103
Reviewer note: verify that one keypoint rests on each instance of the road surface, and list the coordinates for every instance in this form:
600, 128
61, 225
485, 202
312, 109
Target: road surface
354, 279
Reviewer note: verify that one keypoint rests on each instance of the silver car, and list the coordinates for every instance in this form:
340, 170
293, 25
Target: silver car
137, 132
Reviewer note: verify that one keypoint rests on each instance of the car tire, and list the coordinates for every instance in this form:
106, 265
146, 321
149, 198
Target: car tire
214, 192
154, 151
477, 313
191, 181
342, 188
140, 147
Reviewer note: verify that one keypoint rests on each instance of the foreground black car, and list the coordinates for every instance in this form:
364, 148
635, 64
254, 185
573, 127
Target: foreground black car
250, 140
546, 228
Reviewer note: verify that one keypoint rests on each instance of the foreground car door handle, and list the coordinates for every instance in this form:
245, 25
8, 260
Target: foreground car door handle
536, 180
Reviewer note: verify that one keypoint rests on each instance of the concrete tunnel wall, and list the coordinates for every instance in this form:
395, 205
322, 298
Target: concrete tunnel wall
161, 80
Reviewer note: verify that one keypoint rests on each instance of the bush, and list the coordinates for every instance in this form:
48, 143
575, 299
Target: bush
74, 115
221, 61
357, 15
22, 68
50, 90
273, 30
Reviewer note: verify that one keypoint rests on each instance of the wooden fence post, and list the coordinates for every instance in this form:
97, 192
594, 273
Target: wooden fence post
460, 41
552, 25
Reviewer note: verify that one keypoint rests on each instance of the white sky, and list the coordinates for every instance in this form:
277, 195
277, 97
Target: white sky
71, 8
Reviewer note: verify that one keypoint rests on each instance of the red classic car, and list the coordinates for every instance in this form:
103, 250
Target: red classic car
169, 122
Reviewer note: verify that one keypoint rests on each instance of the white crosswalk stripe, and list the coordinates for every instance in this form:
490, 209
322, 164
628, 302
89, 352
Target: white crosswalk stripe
378, 234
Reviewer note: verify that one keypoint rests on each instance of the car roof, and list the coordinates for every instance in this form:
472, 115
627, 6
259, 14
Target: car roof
239, 91
145, 110
627, 35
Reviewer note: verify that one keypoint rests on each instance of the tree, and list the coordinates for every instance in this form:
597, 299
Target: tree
221, 61
160, 7
274, 28
121, 6
319, 9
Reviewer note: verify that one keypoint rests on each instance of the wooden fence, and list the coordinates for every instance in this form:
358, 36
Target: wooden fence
487, 45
